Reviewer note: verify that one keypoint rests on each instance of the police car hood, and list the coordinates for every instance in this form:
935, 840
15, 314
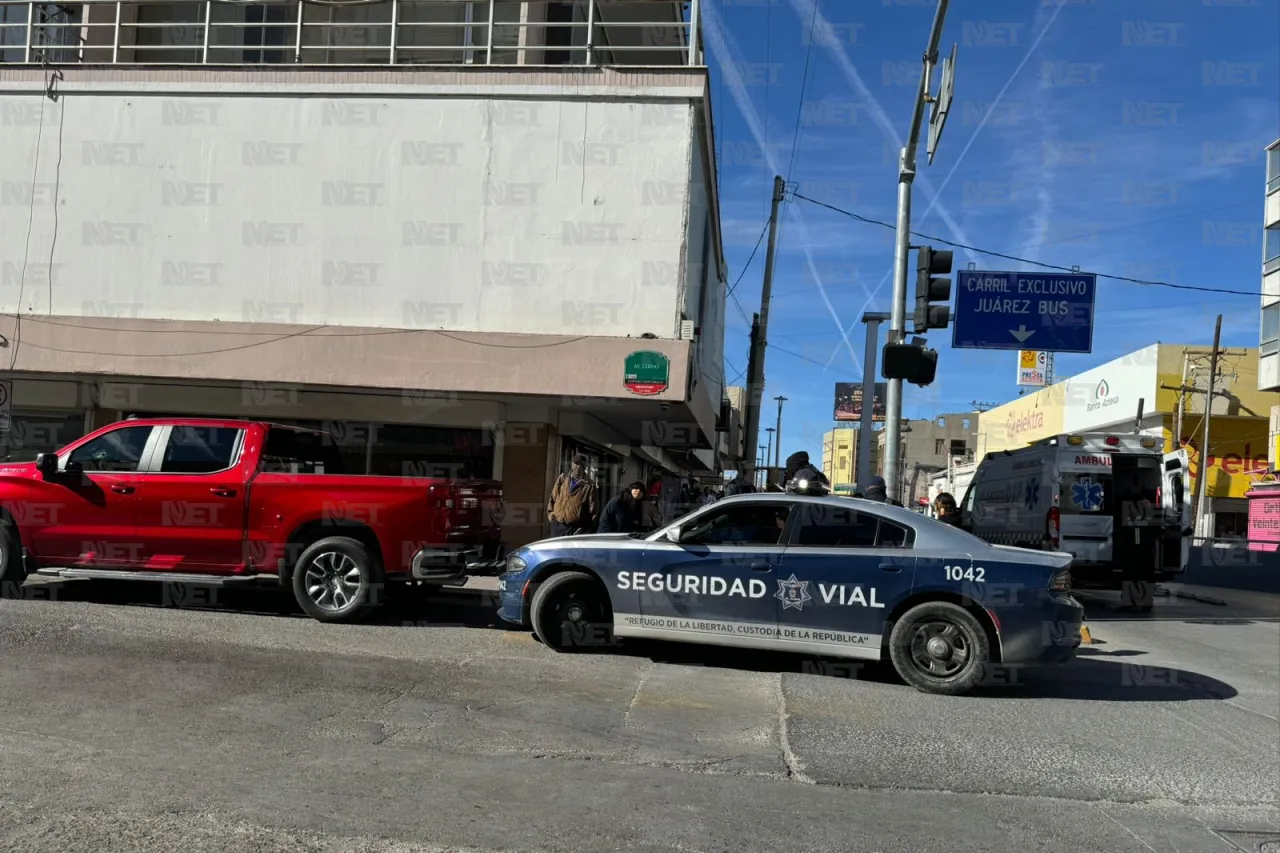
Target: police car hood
587, 539
1049, 559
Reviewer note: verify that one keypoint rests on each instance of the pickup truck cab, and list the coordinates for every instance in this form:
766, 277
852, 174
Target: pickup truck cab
217, 502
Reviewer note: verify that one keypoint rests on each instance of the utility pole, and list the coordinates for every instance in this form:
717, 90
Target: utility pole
761, 340
906, 174
777, 448
767, 452
866, 421
1183, 389
1182, 402
1202, 476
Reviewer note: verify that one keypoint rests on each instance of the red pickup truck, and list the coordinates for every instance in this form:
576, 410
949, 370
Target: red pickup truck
217, 502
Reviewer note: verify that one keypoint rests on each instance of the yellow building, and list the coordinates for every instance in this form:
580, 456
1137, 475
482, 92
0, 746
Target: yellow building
1166, 383
840, 456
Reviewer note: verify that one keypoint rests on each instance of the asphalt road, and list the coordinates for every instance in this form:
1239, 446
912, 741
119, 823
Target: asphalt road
243, 726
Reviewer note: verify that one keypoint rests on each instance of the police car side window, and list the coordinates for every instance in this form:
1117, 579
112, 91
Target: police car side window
836, 527
893, 536
824, 526
743, 524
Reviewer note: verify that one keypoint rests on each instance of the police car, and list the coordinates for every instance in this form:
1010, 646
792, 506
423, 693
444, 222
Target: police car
817, 574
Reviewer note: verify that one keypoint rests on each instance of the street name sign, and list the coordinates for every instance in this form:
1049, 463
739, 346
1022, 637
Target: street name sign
1049, 312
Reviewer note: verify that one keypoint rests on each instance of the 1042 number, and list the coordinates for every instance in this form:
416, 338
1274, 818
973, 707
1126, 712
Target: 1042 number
961, 573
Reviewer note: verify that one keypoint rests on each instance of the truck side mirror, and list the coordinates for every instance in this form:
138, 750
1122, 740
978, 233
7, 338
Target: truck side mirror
47, 464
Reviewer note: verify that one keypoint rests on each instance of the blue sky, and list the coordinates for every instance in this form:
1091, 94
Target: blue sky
1123, 137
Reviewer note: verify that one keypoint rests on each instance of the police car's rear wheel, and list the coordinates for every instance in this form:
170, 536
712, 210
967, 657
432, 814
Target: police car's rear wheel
571, 611
939, 647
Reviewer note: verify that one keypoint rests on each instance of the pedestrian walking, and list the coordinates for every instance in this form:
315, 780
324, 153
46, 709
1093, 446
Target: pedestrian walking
574, 503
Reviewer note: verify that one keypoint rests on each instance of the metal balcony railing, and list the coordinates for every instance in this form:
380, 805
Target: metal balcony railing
352, 32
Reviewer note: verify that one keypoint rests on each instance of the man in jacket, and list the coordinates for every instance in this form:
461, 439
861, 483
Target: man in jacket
624, 512
574, 504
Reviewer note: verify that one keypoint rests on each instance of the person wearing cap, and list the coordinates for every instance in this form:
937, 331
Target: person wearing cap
574, 504
876, 490
800, 470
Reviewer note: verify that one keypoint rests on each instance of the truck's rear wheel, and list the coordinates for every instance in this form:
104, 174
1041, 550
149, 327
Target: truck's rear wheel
337, 580
939, 647
12, 572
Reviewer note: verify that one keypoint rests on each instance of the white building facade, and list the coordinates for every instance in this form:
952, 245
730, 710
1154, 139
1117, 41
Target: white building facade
461, 247
1269, 339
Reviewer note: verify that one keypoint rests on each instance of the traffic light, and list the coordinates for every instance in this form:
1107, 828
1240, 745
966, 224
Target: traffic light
910, 362
931, 264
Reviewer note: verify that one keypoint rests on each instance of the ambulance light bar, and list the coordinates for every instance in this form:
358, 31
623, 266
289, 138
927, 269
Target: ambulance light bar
1075, 440
1111, 441
1148, 441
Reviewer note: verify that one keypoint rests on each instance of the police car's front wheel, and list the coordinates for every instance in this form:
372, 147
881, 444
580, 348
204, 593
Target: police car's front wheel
939, 647
571, 611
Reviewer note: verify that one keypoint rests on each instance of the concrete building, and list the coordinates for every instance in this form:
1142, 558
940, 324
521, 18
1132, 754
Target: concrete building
465, 237
930, 446
1269, 338
1110, 396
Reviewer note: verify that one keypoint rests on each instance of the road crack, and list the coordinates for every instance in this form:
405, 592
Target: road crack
790, 761
643, 677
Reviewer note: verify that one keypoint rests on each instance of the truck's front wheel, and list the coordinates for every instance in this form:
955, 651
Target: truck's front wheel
337, 580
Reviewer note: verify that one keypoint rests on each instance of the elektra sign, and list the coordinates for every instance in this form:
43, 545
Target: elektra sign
1016, 425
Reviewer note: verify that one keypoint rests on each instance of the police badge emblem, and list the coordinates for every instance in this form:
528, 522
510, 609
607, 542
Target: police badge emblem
793, 593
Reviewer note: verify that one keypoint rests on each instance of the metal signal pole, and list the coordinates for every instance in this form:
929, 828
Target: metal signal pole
866, 421
768, 452
761, 342
777, 448
906, 174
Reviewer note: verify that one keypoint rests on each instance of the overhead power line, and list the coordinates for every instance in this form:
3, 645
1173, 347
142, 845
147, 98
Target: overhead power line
1128, 279
750, 258
804, 82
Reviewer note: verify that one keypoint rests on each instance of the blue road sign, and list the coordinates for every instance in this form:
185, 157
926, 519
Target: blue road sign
1017, 310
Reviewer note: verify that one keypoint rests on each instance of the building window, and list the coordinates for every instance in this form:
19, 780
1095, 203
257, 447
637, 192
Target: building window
1273, 170
31, 433
958, 447
1270, 338
939, 446
1270, 244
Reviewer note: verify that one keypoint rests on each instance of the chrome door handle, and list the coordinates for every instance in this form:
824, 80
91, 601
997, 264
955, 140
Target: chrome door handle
761, 567
890, 567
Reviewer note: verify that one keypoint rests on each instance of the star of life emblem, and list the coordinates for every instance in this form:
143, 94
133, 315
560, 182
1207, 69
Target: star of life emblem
793, 593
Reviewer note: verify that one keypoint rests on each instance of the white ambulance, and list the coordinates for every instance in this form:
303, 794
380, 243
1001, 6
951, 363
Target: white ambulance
1116, 502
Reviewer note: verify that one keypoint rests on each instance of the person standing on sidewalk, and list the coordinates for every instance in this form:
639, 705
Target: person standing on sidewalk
574, 504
